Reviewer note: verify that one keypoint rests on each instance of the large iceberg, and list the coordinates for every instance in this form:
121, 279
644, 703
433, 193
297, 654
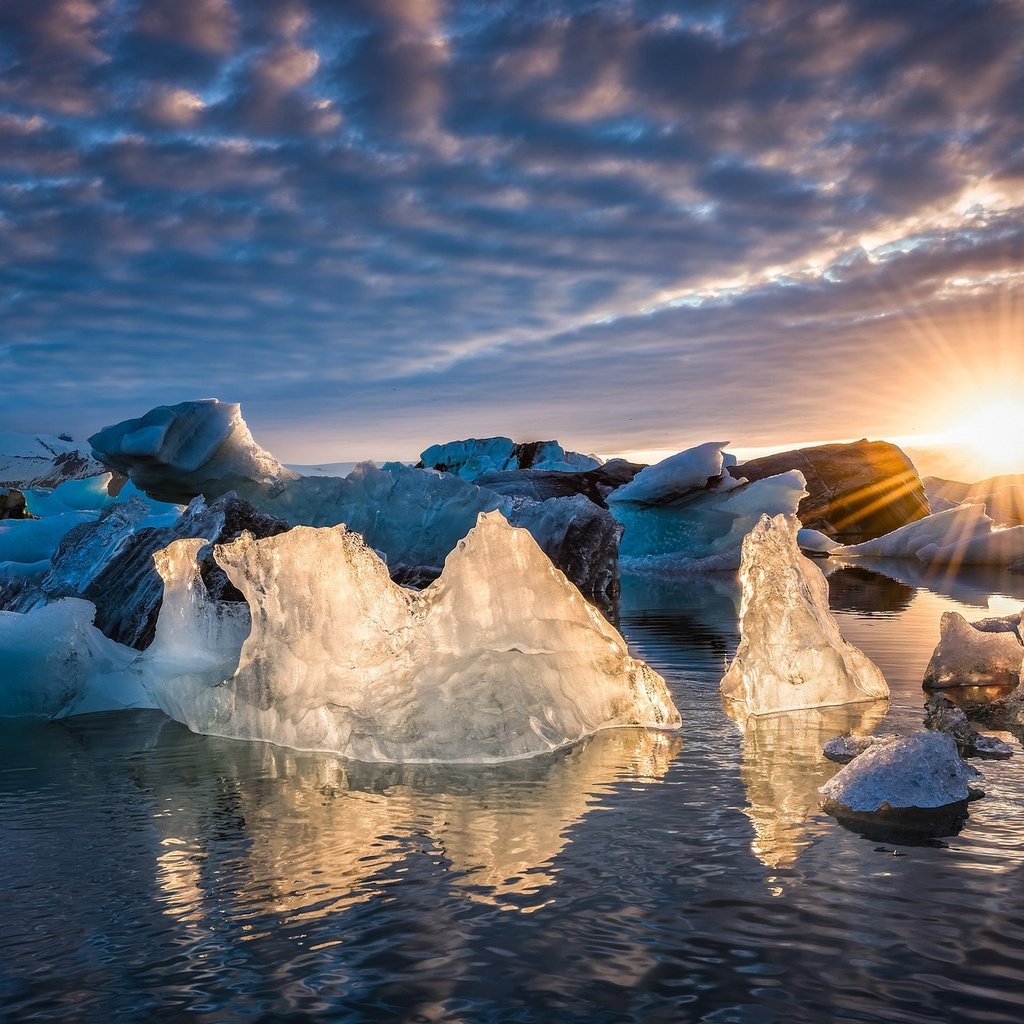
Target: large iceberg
975, 653
176, 452
500, 658
688, 512
475, 456
415, 517
964, 535
791, 655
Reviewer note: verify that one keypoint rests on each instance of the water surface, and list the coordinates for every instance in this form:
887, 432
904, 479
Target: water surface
151, 874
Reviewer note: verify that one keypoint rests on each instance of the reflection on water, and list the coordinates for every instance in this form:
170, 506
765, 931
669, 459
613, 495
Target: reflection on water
151, 874
854, 588
783, 766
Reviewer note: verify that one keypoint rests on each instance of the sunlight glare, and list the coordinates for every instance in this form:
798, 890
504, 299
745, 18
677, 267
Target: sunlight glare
995, 437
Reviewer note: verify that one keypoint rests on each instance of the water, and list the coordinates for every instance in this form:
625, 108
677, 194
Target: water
150, 874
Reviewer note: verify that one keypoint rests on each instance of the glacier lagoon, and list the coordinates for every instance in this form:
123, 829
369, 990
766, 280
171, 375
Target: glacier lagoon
151, 873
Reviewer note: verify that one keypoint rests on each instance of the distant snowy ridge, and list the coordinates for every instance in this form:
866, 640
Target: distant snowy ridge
40, 460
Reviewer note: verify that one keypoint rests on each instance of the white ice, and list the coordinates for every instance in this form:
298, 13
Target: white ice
54, 662
964, 535
791, 654
921, 771
967, 655
500, 658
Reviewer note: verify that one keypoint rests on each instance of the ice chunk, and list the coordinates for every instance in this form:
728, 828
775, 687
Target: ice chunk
922, 771
967, 655
791, 654
474, 456
500, 658
177, 452
843, 749
91, 495
38, 460
691, 470
815, 542
687, 513
964, 535
54, 663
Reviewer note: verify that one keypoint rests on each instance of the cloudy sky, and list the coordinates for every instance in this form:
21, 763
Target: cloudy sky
628, 225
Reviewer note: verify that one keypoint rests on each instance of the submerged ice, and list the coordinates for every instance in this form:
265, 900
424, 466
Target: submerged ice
500, 658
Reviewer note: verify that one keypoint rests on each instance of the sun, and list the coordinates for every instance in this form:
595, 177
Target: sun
994, 437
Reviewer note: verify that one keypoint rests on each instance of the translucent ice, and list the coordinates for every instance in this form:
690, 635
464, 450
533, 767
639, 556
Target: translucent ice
973, 654
791, 654
54, 662
500, 658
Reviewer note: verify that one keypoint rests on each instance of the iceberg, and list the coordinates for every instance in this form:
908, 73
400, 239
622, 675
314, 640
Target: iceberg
176, 452
791, 655
413, 517
55, 663
964, 535
687, 512
500, 658
35, 540
975, 654
475, 456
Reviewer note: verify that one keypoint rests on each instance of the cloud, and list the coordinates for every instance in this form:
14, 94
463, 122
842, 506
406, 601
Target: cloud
601, 219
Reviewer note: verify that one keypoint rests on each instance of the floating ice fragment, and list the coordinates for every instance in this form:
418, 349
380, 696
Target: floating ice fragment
791, 654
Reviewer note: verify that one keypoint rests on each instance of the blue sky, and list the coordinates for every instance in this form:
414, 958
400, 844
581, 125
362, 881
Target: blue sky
382, 223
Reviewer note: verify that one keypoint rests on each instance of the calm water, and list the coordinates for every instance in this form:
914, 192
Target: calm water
150, 874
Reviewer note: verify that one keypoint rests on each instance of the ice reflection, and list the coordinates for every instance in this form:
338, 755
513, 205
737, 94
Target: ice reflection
304, 835
782, 766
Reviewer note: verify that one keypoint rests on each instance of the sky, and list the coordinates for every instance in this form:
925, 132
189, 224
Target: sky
632, 226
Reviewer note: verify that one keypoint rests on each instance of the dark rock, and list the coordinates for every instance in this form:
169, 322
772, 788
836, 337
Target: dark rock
128, 592
12, 504
540, 484
856, 492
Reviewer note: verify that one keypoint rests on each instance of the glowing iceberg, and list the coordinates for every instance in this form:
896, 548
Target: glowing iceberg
791, 655
964, 535
500, 658
688, 512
